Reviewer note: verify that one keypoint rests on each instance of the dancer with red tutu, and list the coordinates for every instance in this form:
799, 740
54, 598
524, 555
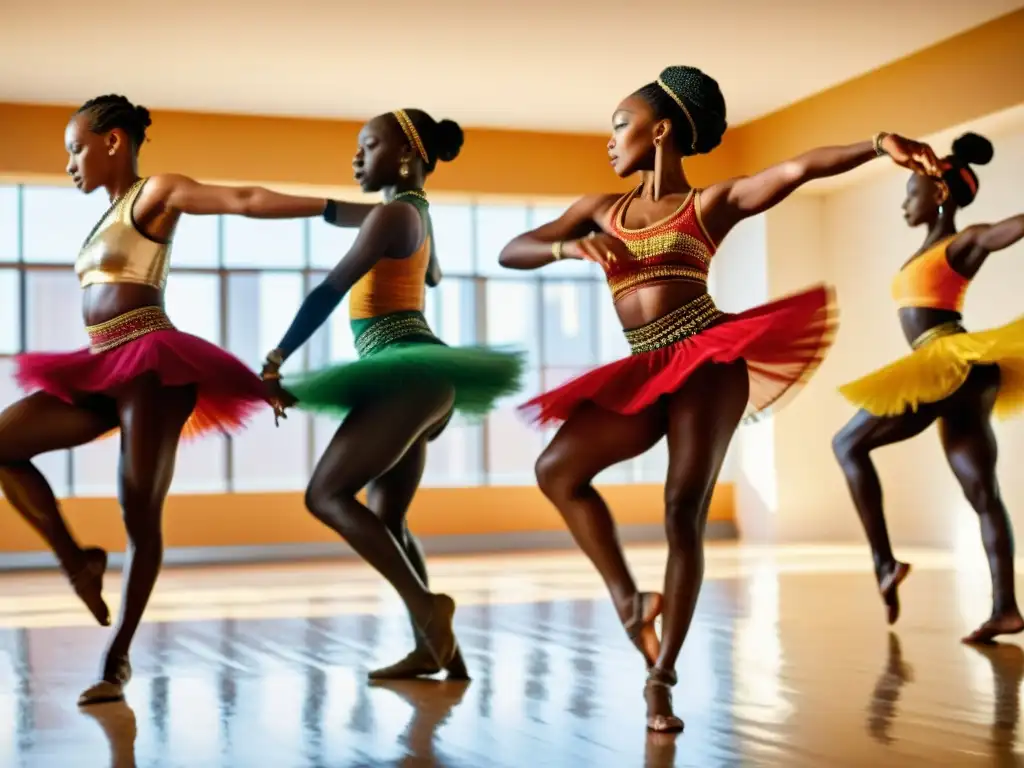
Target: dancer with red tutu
694, 371
951, 376
401, 392
138, 374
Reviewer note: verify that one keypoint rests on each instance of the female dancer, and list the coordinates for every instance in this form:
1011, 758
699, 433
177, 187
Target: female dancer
401, 392
952, 376
693, 371
138, 374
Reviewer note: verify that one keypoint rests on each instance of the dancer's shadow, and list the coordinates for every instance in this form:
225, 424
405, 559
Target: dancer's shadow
432, 703
1007, 662
117, 720
882, 708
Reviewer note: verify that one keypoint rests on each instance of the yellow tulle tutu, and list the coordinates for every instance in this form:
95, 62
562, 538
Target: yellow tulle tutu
939, 367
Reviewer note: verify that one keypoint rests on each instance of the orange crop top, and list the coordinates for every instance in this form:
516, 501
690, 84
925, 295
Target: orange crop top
928, 281
117, 252
392, 285
675, 248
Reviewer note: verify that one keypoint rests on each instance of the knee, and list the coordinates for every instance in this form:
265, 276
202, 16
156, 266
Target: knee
685, 512
982, 493
321, 495
554, 476
845, 446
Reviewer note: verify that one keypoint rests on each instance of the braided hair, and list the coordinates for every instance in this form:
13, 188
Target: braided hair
962, 182
441, 140
694, 104
105, 113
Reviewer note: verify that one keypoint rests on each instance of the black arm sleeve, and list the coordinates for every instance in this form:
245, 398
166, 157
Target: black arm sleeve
317, 307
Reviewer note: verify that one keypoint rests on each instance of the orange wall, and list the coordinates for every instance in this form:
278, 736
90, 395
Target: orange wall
246, 519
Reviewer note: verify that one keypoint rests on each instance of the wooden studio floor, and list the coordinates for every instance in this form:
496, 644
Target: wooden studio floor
789, 663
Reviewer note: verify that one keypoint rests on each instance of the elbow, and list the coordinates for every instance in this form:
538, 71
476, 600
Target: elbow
247, 202
507, 258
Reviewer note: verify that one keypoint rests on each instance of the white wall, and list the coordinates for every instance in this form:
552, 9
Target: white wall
856, 238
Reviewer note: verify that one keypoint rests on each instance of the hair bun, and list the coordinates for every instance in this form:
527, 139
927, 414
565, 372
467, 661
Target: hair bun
704, 102
448, 139
972, 149
143, 116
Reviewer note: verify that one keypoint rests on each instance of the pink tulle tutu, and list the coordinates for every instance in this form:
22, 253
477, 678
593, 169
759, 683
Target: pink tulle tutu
141, 342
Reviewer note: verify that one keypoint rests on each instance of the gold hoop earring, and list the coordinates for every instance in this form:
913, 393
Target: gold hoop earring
658, 169
403, 169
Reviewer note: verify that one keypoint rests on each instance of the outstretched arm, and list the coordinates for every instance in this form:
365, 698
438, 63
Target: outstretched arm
535, 249
971, 247
728, 203
185, 195
386, 232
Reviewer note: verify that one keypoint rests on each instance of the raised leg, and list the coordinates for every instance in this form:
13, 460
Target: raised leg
971, 450
389, 497
703, 417
852, 446
370, 442
38, 424
592, 440
152, 418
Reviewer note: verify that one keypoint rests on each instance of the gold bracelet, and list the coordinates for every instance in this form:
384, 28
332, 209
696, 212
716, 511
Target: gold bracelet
266, 375
556, 250
876, 142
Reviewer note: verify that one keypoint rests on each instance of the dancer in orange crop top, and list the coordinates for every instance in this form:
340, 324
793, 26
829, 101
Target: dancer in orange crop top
694, 371
951, 376
139, 374
403, 389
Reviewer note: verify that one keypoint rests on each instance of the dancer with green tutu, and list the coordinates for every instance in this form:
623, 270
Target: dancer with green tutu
401, 392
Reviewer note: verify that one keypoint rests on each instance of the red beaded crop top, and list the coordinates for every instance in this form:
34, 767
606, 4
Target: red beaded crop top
675, 248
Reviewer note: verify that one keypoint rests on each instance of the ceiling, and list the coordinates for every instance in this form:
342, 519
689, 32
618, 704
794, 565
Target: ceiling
528, 64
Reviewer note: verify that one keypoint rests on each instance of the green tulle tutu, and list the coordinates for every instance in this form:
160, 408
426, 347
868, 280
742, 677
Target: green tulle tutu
397, 353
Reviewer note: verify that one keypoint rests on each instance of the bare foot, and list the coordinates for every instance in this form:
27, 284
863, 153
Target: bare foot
116, 675
1009, 623
418, 663
437, 632
638, 621
889, 580
658, 694
87, 582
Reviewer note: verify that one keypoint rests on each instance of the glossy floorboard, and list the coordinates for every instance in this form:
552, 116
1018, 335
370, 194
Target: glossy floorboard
789, 664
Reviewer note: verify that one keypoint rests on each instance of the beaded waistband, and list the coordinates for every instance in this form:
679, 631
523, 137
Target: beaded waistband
950, 328
379, 332
127, 327
681, 323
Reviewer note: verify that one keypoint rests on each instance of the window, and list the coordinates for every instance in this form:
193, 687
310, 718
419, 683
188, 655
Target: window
238, 283
495, 226
53, 309
196, 242
453, 237
56, 222
264, 243
10, 311
8, 223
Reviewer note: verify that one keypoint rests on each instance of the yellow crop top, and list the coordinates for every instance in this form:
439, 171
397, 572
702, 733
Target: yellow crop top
392, 285
117, 252
928, 281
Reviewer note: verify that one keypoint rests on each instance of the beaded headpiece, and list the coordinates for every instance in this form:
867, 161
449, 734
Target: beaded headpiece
693, 126
411, 133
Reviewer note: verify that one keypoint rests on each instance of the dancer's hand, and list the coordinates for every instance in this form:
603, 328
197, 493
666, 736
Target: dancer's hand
600, 248
279, 397
914, 155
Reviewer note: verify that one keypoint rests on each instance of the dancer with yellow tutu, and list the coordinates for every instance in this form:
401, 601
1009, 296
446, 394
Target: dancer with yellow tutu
951, 376
403, 389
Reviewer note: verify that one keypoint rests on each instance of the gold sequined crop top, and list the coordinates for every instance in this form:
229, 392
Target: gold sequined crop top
675, 248
117, 252
929, 281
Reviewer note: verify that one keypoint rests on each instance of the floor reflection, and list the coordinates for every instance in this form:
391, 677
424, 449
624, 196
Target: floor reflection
785, 651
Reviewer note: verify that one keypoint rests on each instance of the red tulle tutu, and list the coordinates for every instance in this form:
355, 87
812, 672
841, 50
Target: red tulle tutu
228, 392
783, 342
